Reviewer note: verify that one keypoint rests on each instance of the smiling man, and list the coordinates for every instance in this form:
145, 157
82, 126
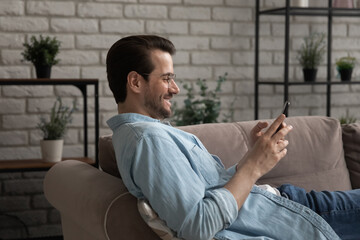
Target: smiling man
161, 86
187, 186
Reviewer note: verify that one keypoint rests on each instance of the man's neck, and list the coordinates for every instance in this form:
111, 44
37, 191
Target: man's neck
125, 108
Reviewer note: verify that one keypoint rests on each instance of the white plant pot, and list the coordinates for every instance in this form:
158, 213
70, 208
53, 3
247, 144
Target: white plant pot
300, 3
51, 150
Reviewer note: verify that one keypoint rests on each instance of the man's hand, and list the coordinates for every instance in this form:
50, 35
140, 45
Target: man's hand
268, 150
257, 132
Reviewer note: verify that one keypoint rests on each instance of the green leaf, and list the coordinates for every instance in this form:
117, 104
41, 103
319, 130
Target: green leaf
60, 117
312, 51
204, 108
41, 51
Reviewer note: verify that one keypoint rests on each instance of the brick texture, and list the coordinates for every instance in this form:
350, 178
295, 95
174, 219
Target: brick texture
211, 36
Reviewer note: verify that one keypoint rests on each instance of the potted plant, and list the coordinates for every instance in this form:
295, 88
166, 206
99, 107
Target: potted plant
347, 120
311, 54
42, 53
54, 130
345, 66
202, 109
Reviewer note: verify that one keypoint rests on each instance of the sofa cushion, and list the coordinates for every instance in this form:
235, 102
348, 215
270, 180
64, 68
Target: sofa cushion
107, 160
351, 141
154, 222
228, 141
315, 159
223, 139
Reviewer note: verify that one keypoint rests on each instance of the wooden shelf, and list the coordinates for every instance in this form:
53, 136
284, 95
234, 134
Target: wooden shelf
34, 164
47, 81
81, 84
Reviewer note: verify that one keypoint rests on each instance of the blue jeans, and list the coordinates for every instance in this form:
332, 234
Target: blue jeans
340, 209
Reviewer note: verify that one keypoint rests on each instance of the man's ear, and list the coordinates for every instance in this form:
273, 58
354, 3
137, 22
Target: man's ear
134, 81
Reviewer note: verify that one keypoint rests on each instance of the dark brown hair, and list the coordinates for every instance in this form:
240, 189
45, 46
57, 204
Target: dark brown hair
132, 54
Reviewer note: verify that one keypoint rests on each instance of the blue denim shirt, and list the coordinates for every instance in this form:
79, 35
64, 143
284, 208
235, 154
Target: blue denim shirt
184, 183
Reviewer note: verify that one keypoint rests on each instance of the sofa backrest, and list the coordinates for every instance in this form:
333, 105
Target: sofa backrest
351, 140
315, 158
107, 160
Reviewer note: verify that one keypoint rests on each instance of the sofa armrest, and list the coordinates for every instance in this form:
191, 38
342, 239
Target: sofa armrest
351, 142
89, 198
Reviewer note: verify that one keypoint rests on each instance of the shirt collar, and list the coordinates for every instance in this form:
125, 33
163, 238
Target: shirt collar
117, 120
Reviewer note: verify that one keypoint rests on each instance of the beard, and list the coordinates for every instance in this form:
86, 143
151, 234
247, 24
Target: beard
155, 106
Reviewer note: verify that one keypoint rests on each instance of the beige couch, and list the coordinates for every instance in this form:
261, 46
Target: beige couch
94, 204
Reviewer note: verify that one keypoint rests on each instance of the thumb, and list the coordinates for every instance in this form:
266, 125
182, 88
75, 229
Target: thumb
256, 131
260, 126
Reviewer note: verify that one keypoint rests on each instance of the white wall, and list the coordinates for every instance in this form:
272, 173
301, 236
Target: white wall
211, 36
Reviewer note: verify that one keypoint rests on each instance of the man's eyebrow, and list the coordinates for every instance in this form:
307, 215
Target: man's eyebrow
168, 73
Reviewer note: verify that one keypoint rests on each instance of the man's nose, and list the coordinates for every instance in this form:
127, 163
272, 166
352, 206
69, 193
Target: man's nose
173, 87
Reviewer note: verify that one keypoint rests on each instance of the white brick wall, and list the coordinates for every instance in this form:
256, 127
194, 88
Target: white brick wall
100, 10
145, 11
70, 25
11, 8
190, 13
122, 26
50, 8
24, 24
211, 36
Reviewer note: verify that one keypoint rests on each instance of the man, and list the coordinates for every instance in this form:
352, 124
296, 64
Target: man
186, 185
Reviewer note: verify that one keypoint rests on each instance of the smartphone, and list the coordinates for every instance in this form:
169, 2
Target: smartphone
285, 107
284, 111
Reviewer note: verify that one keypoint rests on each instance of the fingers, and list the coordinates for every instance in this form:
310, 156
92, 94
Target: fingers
282, 144
259, 126
282, 153
282, 133
262, 125
280, 149
278, 129
275, 125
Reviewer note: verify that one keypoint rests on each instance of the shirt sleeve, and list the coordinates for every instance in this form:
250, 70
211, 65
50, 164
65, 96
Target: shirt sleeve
176, 192
232, 170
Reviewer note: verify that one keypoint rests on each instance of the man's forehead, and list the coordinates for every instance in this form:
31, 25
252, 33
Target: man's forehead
161, 59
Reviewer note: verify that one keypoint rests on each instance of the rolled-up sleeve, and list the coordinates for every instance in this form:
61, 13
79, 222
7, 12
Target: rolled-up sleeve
215, 212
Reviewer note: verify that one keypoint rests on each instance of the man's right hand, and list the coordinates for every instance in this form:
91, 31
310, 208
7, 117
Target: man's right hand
268, 150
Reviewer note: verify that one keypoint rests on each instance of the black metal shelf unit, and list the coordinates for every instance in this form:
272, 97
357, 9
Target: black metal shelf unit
288, 11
